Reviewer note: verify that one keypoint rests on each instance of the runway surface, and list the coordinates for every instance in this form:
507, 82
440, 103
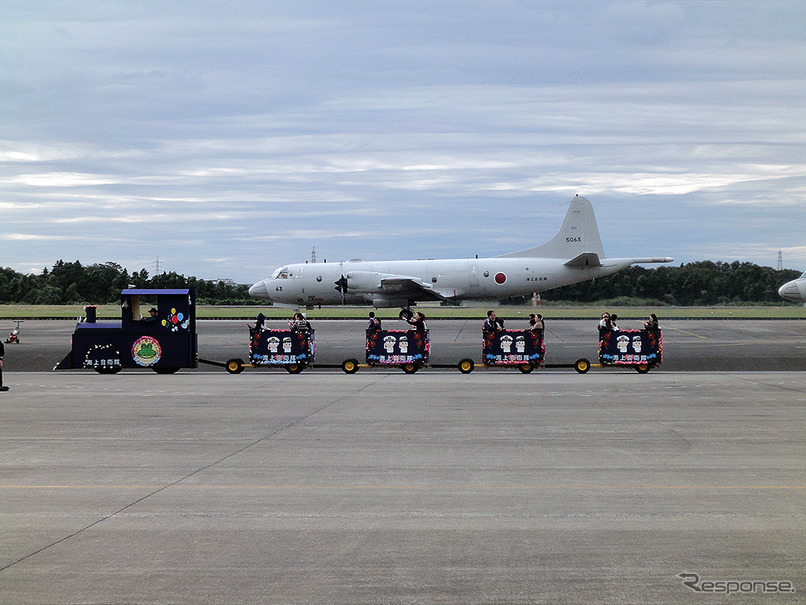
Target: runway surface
381, 487
688, 345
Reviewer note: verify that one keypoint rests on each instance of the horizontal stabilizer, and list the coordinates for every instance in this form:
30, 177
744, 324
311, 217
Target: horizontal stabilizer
646, 261
586, 259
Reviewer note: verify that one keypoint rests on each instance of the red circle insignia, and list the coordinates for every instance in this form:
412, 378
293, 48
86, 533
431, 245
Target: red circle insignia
500, 278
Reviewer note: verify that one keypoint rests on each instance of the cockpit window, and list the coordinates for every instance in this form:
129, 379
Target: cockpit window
281, 273
291, 272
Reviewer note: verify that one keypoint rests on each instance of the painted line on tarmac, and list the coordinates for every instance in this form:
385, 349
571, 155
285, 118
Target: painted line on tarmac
480, 488
686, 332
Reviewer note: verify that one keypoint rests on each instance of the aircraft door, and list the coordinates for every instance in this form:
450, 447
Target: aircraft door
474, 275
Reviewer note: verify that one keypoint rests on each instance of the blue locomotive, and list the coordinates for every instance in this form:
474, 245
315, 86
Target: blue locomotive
162, 339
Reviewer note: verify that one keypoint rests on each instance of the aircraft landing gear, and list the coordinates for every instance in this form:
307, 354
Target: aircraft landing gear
405, 314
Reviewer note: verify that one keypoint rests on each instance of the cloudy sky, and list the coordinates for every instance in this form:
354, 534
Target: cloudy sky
226, 138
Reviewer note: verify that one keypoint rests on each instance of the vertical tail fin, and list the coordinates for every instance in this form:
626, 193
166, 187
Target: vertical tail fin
579, 234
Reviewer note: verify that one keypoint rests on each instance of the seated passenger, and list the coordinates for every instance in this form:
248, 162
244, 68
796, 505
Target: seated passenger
260, 322
152, 316
417, 322
651, 325
299, 323
374, 322
492, 324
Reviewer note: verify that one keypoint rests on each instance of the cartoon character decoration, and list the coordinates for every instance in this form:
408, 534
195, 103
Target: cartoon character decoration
146, 351
506, 343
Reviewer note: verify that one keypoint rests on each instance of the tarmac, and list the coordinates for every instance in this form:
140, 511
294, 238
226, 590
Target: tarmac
382, 487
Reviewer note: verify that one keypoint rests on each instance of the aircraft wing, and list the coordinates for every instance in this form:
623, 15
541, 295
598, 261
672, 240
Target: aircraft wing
410, 287
389, 285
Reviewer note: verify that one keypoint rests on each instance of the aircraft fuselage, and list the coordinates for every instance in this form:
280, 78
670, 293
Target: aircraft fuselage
455, 279
794, 290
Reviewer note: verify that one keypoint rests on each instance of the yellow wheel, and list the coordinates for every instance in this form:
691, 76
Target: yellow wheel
582, 365
235, 366
349, 366
466, 366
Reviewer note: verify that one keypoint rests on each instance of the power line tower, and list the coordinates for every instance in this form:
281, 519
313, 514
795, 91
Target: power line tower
157, 267
780, 260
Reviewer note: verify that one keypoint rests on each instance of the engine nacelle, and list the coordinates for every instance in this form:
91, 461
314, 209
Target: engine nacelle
364, 282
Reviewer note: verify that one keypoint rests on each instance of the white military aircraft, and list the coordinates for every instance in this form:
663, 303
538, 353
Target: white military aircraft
794, 290
575, 254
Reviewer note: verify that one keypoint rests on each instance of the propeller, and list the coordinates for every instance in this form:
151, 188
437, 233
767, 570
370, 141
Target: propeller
341, 286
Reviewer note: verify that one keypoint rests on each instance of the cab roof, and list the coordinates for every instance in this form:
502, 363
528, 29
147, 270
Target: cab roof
154, 291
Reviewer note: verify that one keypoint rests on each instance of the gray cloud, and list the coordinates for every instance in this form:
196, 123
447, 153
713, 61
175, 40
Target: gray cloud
229, 138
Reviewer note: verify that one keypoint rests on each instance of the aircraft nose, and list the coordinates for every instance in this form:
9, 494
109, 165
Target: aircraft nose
259, 290
790, 291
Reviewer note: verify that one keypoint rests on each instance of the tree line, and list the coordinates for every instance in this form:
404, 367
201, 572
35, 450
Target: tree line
698, 283
73, 283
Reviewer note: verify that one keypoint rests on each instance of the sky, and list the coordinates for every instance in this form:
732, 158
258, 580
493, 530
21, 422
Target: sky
223, 139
